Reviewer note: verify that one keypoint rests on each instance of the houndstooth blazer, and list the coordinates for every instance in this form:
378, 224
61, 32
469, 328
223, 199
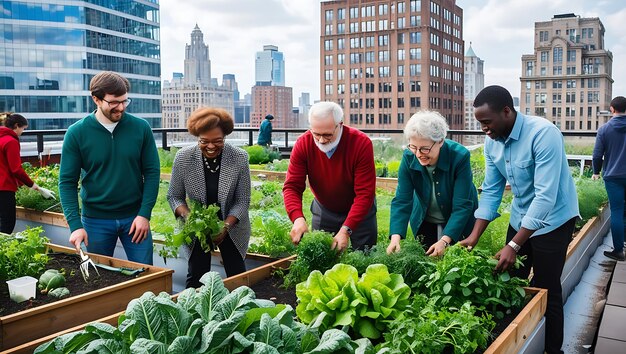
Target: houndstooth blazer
233, 193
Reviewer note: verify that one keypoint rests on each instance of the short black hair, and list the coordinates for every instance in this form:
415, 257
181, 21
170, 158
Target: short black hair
619, 104
12, 119
496, 97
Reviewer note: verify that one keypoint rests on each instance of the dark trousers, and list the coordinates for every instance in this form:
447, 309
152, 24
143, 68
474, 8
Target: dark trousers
363, 236
546, 256
429, 232
7, 211
200, 262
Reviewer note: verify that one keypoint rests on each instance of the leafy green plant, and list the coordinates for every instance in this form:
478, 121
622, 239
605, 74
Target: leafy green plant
271, 234
477, 163
425, 328
591, 196
166, 158
23, 254
411, 262
364, 304
278, 165
259, 154
210, 320
381, 168
387, 150
266, 195
202, 223
392, 169
464, 275
47, 177
314, 253
494, 237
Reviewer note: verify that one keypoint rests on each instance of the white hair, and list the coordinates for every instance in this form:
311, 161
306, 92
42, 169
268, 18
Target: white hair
426, 124
322, 110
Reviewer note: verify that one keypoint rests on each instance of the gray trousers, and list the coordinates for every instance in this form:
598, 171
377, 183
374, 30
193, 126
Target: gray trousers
364, 235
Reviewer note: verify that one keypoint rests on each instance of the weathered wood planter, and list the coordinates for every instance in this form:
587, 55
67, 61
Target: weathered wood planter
25, 326
42, 217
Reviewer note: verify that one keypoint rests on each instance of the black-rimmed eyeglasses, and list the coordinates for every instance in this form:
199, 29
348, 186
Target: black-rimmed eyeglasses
422, 149
114, 104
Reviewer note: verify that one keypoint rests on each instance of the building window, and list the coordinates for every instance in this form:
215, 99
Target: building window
341, 59
383, 71
341, 28
328, 75
415, 86
415, 53
415, 102
400, 118
416, 20
571, 55
415, 69
400, 38
383, 9
557, 55
328, 60
400, 22
416, 5
341, 43
328, 89
400, 54
557, 84
400, 86
543, 36
354, 12
415, 37
401, 7
329, 29
544, 56
329, 15
400, 102
400, 70
383, 55
557, 70
328, 44
530, 68
341, 14
383, 40
341, 74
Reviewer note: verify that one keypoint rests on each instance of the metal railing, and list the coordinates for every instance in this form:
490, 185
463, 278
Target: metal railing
290, 135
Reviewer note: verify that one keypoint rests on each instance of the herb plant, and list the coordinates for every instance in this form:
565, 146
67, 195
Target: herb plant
202, 224
464, 275
271, 234
314, 253
23, 254
425, 328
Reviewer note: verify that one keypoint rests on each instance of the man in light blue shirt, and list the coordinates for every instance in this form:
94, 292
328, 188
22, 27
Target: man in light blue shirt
529, 153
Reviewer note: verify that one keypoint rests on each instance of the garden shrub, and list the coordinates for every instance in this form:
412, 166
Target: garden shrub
392, 169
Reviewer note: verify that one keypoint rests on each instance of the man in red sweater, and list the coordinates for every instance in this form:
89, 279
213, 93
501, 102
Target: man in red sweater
339, 163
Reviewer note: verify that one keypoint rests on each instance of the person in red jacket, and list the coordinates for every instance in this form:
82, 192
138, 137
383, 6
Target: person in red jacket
339, 164
12, 175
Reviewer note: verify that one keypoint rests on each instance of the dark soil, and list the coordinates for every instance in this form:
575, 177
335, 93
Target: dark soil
73, 281
272, 289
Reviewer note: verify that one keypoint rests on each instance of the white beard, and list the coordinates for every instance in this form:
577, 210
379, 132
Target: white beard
325, 148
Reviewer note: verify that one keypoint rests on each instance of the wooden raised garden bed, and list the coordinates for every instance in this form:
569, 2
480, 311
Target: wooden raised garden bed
34, 323
42, 217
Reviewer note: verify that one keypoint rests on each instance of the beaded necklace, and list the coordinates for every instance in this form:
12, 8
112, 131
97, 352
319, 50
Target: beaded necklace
215, 163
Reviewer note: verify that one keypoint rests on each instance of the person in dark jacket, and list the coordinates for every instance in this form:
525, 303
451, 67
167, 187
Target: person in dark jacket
12, 175
435, 192
265, 131
609, 154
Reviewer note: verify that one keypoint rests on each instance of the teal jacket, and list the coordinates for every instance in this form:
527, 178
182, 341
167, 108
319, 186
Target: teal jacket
456, 193
119, 172
265, 133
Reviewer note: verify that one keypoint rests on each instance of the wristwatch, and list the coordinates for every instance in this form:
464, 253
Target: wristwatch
514, 246
348, 230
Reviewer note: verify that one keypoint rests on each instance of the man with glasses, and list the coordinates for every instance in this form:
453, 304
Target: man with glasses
339, 164
114, 156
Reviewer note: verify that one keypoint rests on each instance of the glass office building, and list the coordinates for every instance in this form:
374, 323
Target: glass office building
50, 50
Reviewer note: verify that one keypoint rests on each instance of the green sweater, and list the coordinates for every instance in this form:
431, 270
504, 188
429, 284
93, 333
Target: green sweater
119, 171
456, 194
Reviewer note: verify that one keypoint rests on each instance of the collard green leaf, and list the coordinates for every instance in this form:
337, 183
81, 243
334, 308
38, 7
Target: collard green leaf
148, 346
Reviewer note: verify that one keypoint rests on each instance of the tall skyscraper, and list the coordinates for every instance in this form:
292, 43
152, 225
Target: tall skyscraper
229, 82
197, 62
270, 67
568, 80
50, 50
383, 60
474, 82
304, 105
183, 95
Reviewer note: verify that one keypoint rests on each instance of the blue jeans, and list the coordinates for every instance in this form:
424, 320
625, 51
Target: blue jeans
103, 235
616, 189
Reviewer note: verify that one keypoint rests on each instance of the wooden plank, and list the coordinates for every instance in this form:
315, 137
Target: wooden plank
513, 337
27, 325
589, 227
30, 347
44, 217
254, 276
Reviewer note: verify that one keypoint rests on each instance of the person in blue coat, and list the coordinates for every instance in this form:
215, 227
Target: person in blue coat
265, 131
609, 154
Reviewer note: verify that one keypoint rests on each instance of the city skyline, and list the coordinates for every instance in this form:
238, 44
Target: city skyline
235, 32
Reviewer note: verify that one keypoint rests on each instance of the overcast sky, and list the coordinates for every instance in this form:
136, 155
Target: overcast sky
501, 31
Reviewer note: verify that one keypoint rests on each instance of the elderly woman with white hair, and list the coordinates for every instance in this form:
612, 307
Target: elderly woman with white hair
435, 193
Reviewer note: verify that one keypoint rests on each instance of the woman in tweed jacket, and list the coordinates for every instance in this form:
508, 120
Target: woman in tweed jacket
213, 172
